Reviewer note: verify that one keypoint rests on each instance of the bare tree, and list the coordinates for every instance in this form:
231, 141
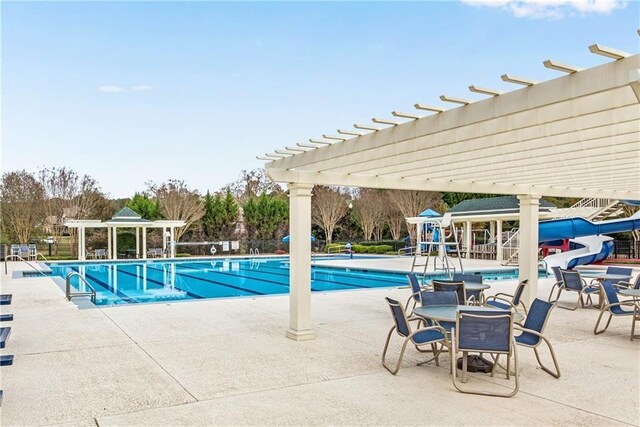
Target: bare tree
22, 199
254, 184
177, 202
370, 212
68, 195
411, 203
329, 206
395, 220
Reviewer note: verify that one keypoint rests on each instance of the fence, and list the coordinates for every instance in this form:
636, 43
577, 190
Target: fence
626, 249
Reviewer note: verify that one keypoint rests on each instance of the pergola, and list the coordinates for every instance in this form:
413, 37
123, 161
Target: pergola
577, 135
126, 218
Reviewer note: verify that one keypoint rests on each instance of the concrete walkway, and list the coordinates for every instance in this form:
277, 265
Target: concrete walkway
227, 362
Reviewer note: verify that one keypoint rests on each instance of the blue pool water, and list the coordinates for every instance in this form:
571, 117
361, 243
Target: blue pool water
153, 281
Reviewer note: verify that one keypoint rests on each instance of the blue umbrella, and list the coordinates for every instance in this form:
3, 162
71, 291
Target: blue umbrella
285, 239
429, 213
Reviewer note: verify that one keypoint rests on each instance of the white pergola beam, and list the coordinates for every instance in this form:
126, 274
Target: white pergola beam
385, 121
394, 183
428, 108
349, 132
316, 141
510, 78
608, 52
337, 138
366, 127
559, 66
297, 149
405, 115
307, 145
484, 90
454, 100
268, 159
277, 155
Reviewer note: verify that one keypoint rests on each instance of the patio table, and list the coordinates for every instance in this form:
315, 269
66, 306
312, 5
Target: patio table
448, 313
601, 276
635, 295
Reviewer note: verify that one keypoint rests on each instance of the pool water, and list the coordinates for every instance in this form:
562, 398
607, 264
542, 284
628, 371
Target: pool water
154, 281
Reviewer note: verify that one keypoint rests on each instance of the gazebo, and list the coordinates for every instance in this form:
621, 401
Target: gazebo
577, 135
126, 218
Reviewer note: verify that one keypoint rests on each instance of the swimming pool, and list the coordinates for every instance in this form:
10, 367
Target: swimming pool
154, 281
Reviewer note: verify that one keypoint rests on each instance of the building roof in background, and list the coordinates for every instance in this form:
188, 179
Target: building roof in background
494, 205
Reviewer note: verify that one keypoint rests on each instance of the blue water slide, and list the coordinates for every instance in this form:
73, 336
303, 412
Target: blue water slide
571, 228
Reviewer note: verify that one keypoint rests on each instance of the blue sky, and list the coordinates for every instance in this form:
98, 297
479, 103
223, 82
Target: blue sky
132, 92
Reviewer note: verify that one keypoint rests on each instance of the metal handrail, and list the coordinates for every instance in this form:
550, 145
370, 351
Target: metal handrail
43, 257
6, 258
70, 295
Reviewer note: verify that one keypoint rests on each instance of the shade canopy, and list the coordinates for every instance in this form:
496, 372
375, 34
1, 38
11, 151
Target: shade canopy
429, 213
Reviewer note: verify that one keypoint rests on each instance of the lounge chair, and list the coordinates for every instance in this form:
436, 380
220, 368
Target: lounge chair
506, 301
573, 282
485, 331
613, 306
533, 330
431, 335
452, 286
477, 296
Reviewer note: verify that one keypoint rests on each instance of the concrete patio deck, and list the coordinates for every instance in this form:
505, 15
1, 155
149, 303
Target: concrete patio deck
227, 362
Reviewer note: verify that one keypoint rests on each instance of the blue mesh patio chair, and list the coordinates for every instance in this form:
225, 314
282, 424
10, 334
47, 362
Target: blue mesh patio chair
557, 284
533, 333
440, 298
573, 282
430, 335
477, 296
416, 292
613, 306
451, 286
628, 285
622, 271
508, 302
486, 331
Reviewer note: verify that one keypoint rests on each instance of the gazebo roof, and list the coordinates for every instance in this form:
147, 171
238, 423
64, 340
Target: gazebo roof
127, 215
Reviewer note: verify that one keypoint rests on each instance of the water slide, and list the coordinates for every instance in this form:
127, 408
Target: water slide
589, 238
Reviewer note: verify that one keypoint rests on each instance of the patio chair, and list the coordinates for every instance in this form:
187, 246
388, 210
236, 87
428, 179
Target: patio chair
484, 332
100, 253
416, 292
628, 285
573, 282
33, 250
622, 271
558, 283
613, 306
470, 278
24, 251
533, 330
508, 302
452, 286
430, 335
15, 249
441, 298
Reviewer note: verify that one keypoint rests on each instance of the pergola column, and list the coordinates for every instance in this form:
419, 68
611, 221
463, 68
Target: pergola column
137, 242
499, 240
172, 242
109, 236
164, 242
528, 249
144, 243
467, 238
300, 263
115, 243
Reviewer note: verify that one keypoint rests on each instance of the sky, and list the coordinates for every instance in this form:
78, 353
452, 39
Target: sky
131, 92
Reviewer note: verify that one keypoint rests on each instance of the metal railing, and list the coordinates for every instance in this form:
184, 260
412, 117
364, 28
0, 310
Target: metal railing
336, 249
70, 294
585, 208
23, 260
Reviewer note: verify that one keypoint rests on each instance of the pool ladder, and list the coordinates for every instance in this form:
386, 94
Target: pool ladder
70, 294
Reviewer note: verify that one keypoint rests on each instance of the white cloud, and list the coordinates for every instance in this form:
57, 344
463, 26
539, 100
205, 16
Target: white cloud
550, 9
110, 89
141, 88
